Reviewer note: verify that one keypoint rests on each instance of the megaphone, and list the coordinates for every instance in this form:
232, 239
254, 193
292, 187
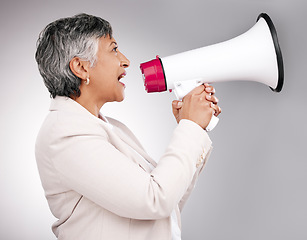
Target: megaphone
253, 56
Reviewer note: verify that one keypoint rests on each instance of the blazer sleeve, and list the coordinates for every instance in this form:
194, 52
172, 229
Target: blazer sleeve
90, 165
194, 181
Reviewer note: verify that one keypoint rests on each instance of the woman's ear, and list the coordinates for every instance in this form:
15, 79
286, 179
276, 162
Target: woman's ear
79, 68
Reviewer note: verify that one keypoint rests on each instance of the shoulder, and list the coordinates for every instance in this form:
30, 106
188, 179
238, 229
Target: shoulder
61, 124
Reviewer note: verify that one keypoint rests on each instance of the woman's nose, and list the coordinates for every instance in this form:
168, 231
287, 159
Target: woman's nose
124, 62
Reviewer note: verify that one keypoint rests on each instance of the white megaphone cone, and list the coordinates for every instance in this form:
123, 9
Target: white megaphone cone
252, 56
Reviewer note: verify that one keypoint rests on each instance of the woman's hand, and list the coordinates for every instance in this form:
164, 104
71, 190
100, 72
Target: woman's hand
198, 106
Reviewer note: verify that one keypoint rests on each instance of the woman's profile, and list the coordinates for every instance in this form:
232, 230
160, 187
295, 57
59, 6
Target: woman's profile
98, 180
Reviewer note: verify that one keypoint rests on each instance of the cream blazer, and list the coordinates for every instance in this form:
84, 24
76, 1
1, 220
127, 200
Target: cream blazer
96, 181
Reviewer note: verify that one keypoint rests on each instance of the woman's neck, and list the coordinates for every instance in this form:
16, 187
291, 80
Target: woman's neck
89, 103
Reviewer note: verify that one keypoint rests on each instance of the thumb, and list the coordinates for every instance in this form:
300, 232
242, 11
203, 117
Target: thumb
177, 104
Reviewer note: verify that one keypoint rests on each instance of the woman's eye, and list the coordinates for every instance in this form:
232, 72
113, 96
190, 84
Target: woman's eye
115, 49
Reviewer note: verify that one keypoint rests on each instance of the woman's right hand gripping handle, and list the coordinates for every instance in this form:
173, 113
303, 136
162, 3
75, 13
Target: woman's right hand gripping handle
198, 106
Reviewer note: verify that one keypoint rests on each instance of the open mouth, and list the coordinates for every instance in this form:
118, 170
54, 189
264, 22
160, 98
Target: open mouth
121, 76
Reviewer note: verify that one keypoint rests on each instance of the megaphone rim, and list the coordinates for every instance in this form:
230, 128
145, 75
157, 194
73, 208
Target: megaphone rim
277, 50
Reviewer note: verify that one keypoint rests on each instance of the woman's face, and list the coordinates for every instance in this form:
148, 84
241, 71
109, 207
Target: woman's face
109, 69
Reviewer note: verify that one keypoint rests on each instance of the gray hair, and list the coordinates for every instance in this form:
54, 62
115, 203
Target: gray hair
60, 42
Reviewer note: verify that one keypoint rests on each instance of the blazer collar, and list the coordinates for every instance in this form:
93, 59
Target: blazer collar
68, 105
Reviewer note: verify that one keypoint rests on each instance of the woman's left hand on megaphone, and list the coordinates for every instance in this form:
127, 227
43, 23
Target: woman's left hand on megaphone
197, 106
211, 98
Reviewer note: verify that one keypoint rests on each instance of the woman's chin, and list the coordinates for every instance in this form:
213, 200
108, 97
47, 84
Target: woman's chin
121, 98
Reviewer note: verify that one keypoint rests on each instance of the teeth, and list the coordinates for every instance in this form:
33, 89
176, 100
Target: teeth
121, 76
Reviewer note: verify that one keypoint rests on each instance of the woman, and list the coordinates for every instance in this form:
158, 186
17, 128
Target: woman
98, 180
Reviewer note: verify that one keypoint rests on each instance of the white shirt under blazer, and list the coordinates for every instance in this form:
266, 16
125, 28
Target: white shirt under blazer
96, 181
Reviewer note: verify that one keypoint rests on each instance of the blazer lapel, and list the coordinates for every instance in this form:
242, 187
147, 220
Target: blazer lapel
130, 148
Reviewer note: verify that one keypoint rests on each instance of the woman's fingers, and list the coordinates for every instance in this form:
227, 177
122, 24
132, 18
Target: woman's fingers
177, 104
212, 98
209, 89
216, 108
197, 90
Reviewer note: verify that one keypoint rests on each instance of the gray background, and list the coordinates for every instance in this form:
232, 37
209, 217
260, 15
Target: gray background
254, 185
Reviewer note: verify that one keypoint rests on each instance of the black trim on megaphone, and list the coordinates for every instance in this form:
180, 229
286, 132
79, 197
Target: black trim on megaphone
277, 50
163, 72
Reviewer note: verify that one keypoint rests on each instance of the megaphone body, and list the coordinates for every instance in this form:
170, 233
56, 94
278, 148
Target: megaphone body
252, 56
